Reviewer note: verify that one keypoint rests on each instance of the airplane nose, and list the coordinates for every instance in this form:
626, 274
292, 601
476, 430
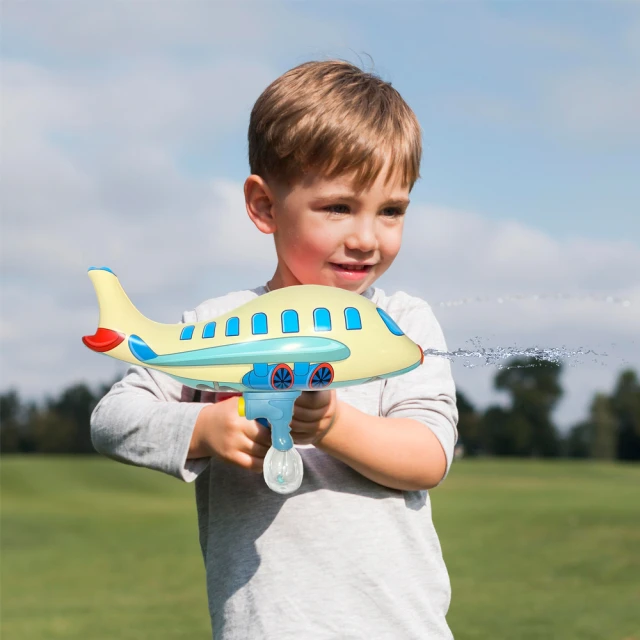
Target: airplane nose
421, 354
103, 340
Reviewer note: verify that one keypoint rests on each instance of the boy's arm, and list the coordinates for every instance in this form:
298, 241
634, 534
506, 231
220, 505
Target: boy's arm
399, 453
411, 446
144, 421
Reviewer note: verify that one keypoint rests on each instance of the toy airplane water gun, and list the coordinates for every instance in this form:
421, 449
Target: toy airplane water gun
305, 337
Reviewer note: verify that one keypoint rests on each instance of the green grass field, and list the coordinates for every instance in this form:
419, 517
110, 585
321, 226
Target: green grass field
96, 550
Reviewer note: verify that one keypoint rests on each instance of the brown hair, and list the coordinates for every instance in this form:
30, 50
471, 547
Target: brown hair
332, 117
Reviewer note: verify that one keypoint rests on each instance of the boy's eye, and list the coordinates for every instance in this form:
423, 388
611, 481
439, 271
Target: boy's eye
393, 212
337, 208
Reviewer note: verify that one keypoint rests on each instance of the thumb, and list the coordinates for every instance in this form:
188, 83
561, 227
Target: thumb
312, 399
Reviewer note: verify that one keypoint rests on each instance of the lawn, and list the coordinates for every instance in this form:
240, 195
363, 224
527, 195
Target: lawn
96, 550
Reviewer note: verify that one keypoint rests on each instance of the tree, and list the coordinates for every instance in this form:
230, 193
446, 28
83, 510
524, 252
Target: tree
16, 435
52, 432
526, 428
505, 432
468, 425
71, 414
625, 403
604, 428
10, 422
58, 425
578, 440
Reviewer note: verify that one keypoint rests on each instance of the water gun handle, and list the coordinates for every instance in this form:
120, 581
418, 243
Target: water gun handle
274, 407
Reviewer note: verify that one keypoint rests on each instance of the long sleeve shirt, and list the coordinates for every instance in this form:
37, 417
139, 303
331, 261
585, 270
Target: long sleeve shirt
343, 557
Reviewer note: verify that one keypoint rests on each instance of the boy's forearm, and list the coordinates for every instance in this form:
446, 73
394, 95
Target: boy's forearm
199, 447
399, 453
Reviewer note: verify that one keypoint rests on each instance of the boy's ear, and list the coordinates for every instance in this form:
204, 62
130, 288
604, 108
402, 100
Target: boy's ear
259, 201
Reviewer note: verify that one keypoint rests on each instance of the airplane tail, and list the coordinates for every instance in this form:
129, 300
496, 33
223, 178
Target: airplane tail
117, 312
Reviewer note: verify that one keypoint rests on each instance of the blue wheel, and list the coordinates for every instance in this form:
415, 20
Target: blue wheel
282, 377
322, 376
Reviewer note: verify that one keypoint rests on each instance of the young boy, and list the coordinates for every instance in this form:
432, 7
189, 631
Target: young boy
334, 153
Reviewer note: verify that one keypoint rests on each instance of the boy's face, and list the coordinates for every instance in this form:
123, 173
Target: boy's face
328, 233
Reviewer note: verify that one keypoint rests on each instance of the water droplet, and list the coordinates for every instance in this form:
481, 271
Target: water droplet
497, 355
609, 299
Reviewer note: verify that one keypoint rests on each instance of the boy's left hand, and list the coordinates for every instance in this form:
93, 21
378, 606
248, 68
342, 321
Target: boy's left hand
314, 413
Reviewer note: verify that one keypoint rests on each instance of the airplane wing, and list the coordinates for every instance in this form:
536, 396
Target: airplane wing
298, 349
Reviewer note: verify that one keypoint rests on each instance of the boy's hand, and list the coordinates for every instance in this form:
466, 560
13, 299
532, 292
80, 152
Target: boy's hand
314, 413
221, 432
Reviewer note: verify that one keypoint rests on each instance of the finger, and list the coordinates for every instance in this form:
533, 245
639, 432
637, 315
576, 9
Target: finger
256, 432
313, 399
303, 415
254, 448
247, 461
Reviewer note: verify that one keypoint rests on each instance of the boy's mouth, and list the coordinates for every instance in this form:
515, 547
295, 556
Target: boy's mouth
352, 267
351, 271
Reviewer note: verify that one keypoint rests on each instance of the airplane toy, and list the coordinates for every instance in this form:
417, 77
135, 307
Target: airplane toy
305, 337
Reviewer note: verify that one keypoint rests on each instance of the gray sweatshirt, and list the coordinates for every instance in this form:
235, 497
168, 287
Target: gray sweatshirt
343, 557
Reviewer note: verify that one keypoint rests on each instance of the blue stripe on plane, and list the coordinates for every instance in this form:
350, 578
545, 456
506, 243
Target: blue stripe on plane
100, 269
141, 349
301, 349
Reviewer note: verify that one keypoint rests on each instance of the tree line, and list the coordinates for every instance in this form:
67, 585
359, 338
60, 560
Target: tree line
525, 427
522, 428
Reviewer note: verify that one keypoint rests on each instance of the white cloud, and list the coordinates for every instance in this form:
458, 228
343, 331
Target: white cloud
83, 34
91, 134
600, 104
446, 255
573, 80
451, 256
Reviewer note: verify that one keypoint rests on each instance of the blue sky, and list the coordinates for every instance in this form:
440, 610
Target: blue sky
484, 80
476, 74
125, 126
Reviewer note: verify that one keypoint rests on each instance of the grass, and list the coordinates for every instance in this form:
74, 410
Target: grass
542, 549
536, 550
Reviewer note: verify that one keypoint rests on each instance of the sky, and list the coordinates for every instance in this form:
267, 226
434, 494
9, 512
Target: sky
124, 144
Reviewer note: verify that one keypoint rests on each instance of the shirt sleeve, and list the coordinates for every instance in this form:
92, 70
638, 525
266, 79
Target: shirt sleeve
426, 394
147, 420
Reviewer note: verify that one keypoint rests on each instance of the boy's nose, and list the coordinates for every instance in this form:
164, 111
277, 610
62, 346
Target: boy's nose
362, 238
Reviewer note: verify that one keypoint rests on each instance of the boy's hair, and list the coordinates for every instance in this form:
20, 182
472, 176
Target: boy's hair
334, 118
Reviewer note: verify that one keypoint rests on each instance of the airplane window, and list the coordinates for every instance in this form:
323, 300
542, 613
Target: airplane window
290, 321
259, 323
233, 327
321, 319
187, 333
352, 318
391, 325
209, 330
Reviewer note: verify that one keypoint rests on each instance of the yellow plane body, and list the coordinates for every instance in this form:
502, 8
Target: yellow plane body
300, 337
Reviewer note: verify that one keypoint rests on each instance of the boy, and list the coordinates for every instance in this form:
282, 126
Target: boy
334, 153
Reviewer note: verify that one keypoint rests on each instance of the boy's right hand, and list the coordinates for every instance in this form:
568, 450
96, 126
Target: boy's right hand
221, 432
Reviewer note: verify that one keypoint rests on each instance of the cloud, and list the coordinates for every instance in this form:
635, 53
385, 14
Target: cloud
506, 284
601, 104
447, 255
98, 105
567, 80
86, 35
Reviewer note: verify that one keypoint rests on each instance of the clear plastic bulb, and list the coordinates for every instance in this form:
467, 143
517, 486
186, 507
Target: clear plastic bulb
283, 470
